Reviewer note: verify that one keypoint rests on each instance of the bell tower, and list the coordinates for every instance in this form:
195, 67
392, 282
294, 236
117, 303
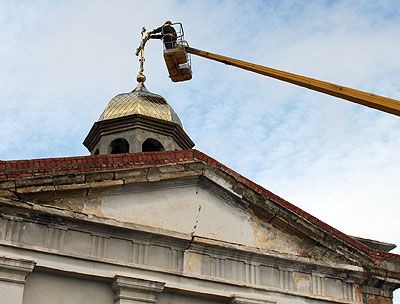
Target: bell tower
139, 121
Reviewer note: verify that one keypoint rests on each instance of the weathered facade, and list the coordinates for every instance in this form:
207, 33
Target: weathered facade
169, 227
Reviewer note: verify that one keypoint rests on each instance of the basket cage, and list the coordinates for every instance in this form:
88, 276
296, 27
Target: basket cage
180, 40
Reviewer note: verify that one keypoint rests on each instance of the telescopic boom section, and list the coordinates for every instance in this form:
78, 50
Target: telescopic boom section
381, 103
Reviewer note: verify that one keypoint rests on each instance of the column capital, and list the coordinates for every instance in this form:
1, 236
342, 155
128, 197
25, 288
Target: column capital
133, 290
15, 270
242, 300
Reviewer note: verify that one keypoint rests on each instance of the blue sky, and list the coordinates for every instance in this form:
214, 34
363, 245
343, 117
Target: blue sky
61, 62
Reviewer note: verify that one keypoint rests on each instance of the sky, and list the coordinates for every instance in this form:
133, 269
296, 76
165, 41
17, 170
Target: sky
62, 61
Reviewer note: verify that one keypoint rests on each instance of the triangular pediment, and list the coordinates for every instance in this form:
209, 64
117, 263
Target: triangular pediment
192, 206
203, 207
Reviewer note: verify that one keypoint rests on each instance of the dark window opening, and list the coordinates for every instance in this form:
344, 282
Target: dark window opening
96, 152
119, 145
152, 145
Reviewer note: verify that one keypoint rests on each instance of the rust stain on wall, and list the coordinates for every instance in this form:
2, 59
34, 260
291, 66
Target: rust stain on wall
373, 299
358, 295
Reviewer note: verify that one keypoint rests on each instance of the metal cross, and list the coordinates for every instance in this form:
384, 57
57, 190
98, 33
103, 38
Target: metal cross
141, 50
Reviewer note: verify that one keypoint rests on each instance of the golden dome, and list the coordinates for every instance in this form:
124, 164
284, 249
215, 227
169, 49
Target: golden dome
140, 101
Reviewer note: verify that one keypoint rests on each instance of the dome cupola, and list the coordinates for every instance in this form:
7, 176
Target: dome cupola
140, 102
139, 121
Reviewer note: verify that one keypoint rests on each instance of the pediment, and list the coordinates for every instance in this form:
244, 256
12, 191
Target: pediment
194, 207
203, 208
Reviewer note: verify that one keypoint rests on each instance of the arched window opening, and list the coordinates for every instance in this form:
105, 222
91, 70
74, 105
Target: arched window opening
152, 145
119, 145
96, 152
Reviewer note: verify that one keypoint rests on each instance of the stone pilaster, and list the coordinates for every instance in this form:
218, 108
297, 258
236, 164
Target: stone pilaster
135, 291
12, 278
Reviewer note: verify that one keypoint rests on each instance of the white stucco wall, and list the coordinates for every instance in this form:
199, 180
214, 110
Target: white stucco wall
191, 209
46, 288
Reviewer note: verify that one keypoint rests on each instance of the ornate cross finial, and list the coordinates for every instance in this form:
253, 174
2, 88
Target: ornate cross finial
141, 77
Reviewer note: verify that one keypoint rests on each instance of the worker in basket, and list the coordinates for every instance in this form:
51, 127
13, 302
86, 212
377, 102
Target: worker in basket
168, 34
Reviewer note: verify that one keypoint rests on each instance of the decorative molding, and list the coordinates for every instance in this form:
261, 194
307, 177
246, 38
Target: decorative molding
348, 291
55, 238
13, 229
99, 246
317, 285
204, 257
286, 280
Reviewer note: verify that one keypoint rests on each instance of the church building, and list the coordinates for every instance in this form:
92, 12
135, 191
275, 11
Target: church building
148, 219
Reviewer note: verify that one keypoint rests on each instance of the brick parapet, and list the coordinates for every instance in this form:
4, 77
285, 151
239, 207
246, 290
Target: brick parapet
51, 166
15, 169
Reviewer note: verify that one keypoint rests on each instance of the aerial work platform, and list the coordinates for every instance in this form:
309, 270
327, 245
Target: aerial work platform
178, 63
177, 59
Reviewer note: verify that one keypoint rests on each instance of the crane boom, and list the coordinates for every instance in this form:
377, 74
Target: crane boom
381, 103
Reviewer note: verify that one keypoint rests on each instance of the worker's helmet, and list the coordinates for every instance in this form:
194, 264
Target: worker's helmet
168, 22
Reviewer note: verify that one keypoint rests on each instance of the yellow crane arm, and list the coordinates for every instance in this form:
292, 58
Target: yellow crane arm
381, 103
